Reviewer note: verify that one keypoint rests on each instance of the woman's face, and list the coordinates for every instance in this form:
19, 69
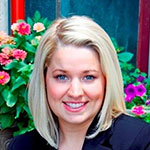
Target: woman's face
75, 84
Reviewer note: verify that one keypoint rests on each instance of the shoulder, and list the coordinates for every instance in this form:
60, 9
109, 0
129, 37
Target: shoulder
129, 123
28, 141
131, 131
126, 120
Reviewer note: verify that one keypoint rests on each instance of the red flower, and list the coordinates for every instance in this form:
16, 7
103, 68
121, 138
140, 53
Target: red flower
24, 28
4, 77
19, 54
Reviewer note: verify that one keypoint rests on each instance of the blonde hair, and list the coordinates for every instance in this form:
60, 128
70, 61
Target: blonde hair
78, 31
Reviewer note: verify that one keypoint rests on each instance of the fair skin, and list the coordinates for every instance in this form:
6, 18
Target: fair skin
75, 89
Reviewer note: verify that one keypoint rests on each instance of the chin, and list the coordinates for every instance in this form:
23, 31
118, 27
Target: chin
76, 120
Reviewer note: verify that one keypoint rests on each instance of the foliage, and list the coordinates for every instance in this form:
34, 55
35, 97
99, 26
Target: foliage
136, 85
16, 64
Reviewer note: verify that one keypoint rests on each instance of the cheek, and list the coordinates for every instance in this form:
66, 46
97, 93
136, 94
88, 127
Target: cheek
55, 91
96, 91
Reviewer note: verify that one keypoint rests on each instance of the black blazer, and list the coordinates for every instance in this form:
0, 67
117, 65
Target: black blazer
126, 133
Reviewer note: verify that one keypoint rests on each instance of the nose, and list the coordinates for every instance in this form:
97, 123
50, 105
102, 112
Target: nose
75, 90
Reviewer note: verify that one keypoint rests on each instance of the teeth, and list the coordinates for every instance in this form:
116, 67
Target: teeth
75, 105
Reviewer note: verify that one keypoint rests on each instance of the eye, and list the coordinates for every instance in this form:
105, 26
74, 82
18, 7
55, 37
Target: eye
89, 77
61, 77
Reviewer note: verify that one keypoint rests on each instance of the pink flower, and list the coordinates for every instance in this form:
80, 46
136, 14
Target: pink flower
14, 26
4, 77
7, 51
24, 28
38, 27
3, 35
4, 38
140, 90
130, 92
4, 59
19, 54
138, 110
140, 78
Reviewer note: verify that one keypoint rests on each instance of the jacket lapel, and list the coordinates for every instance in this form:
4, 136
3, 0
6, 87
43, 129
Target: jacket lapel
101, 147
100, 142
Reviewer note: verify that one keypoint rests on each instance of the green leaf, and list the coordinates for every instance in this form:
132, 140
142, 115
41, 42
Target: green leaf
30, 21
18, 110
44, 21
11, 100
11, 65
26, 108
11, 46
5, 93
6, 120
30, 37
24, 68
1, 87
19, 40
143, 74
125, 56
15, 64
21, 131
27, 69
48, 24
29, 47
129, 105
1, 100
5, 109
37, 16
19, 82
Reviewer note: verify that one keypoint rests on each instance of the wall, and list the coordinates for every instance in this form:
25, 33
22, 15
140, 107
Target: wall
118, 17
47, 8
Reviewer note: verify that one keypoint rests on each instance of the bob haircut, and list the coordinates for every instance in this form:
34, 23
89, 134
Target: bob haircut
79, 31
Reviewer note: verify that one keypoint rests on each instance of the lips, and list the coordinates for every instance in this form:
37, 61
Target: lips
74, 106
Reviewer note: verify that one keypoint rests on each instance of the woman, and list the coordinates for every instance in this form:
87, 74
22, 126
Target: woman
76, 93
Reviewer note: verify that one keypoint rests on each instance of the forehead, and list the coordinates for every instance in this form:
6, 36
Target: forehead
71, 51
73, 56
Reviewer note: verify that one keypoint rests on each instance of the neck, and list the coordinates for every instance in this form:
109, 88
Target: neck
71, 134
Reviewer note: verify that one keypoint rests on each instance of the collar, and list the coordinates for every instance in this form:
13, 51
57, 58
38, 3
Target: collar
101, 141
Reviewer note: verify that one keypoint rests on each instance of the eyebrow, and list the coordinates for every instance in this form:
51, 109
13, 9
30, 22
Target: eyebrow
87, 71
60, 70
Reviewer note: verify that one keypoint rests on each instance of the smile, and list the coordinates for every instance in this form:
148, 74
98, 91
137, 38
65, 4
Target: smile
75, 105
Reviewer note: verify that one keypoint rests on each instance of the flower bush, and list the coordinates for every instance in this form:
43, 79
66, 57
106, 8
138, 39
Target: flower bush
16, 64
136, 86
137, 97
